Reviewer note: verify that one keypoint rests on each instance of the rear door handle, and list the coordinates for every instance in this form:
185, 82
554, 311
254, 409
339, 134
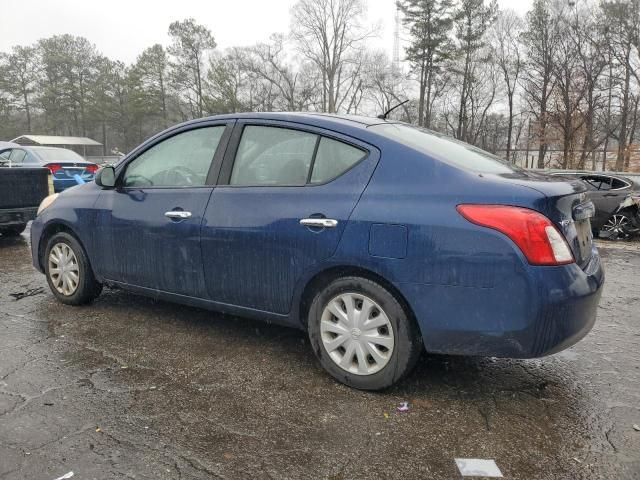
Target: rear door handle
177, 214
319, 222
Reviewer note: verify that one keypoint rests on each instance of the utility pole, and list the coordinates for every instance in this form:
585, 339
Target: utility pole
395, 65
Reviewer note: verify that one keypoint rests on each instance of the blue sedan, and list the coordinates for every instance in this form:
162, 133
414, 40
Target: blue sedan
66, 166
378, 238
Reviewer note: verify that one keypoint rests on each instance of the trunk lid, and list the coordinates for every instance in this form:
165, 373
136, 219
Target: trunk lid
565, 205
68, 170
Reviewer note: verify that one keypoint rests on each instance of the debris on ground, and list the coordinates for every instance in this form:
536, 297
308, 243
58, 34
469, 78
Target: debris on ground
27, 293
404, 407
636, 427
476, 467
386, 415
65, 476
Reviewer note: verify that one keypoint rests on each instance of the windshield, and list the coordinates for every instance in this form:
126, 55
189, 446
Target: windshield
444, 148
58, 155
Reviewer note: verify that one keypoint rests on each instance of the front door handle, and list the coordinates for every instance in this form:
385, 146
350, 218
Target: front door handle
177, 214
319, 222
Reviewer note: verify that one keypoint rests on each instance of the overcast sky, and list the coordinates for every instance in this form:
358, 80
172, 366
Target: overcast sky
121, 29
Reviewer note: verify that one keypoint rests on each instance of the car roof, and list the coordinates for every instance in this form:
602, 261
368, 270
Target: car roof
310, 118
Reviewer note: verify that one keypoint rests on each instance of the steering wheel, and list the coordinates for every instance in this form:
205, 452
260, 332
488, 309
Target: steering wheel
181, 175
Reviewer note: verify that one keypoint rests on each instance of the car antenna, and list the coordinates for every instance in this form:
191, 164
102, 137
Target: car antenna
385, 114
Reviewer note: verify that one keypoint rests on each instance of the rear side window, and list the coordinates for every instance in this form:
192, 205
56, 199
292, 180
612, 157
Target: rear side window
273, 156
617, 184
17, 156
179, 161
444, 148
333, 159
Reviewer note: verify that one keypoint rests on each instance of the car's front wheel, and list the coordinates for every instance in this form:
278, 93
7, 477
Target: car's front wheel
620, 225
361, 334
68, 272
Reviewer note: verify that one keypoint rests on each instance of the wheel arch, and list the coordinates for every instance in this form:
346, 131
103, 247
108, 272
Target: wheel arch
49, 231
324, 277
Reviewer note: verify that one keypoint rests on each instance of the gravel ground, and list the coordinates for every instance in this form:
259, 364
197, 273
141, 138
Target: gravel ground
132, 388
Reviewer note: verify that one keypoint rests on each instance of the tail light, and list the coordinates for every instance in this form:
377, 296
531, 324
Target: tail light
54, 167
539, 240
93, 168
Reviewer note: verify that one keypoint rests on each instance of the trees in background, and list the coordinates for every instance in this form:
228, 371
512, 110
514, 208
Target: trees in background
562, 81
329, 33
506, 52
190, 43
429, 23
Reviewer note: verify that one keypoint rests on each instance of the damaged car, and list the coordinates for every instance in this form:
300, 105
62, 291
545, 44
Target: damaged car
616, 198
380, 239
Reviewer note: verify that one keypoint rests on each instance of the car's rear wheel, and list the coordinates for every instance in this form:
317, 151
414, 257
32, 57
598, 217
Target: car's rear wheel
68, 272
13, 230
361, 334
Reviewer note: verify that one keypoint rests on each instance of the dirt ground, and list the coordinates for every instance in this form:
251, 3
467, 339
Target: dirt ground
132, 388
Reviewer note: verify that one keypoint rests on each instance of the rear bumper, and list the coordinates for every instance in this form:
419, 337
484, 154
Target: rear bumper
537, 312
17, 216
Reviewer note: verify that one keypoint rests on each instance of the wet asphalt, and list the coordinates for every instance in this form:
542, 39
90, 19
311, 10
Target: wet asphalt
133, 388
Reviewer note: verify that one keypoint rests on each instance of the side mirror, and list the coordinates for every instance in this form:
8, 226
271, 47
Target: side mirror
106, 177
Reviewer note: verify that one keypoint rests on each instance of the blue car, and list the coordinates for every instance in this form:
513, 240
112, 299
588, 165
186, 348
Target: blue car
66, 166
378, 238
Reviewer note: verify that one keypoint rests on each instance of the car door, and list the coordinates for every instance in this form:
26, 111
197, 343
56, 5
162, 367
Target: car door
283, 200
149, 225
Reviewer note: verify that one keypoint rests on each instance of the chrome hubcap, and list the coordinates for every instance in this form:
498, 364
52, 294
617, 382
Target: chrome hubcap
357, 334
63, 269
617, 224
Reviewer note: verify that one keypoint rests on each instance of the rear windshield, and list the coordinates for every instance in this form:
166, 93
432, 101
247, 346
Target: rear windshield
58, 155
444, 148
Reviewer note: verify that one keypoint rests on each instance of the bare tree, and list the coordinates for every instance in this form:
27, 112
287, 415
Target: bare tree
472, 20
589, 46
269, 62
507, 54
540, 39
329, 34
622, 20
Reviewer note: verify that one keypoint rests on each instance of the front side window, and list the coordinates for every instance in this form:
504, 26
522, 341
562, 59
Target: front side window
273, 156
333, 159
179, 161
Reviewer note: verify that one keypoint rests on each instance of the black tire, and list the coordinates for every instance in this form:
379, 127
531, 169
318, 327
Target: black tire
88, 287
13, 230
626, 226
407, 339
